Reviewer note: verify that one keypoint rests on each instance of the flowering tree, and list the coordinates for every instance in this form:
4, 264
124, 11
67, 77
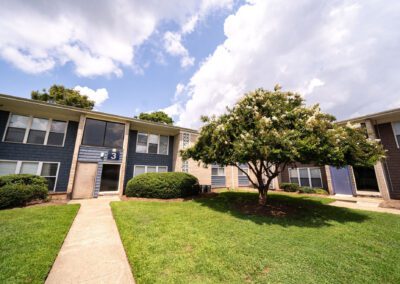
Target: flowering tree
270, 130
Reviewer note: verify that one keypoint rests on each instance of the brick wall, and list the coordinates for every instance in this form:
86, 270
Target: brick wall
30, 152
392, 162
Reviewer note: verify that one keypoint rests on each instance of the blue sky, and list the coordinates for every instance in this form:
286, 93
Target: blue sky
197, 57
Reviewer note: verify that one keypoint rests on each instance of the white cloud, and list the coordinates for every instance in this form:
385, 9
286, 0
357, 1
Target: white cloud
173, 110
173, 40
343, 54
97, 38
180, 88
174, 46
98, 96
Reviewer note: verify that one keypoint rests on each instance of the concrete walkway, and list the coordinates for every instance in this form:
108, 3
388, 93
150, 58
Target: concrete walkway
92, 251
363, 203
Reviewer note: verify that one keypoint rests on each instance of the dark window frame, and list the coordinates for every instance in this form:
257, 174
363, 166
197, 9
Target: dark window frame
103, 139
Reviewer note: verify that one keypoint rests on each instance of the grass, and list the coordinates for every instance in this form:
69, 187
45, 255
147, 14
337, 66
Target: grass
208, 241
30, 239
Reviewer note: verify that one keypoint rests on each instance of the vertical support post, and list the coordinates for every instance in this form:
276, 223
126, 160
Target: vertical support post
379, 171
124, 159
74, 162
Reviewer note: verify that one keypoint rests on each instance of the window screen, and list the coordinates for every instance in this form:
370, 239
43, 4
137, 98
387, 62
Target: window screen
7, 167
164, 145
153, 144
141, 146
57, 132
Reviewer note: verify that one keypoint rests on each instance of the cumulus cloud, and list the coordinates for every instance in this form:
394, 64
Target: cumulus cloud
343, 54
98, 96
173, 40
97, 37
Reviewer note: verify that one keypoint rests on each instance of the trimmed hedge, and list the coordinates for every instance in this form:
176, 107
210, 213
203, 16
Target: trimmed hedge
18, 190
290, 187
307, 189
163, 185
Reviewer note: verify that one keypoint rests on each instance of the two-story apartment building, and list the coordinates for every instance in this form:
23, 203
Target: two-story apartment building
85, 153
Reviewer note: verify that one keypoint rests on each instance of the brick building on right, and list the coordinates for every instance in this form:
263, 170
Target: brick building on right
381, 180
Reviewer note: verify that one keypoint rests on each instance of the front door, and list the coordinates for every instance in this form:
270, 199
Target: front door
110, 177
85, 180
341, 180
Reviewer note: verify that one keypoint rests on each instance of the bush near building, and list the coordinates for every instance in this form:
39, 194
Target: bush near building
18, 190
163, 185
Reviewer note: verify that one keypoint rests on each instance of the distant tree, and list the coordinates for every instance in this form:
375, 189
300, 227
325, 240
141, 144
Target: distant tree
156, 116
60, 95
272, 130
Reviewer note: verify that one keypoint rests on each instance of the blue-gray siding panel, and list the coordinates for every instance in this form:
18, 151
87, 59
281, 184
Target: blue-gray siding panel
29, 152
134, 158
218, 181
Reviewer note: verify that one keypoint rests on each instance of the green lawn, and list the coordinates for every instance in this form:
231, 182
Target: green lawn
30, 239
208, 241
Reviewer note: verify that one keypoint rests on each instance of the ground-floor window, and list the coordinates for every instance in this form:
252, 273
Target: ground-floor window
149, 169
306, 176
48, 170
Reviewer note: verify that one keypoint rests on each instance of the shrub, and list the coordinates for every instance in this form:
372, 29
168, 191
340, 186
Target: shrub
18, 190
289, 187
307, 189
162, 185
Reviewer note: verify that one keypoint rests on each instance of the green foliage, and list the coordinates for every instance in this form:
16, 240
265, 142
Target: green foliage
156, 116
289, 187
162, 185
18, 190
30, 240
208, 240
270, 130
60, 95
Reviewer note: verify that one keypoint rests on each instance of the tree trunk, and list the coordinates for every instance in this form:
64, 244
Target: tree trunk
262, 197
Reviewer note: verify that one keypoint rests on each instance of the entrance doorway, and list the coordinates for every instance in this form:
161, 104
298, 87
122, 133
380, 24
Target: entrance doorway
109, 177
366, 179
341, 181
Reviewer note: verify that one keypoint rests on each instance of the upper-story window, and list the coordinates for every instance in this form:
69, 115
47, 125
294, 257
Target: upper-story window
103, 133
152, 144
396, 130
33, 130
217, 170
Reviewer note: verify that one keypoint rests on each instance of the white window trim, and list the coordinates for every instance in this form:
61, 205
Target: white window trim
147, 147
218, 167
146, 166
309, 175
39, 168
394, 133
28, 128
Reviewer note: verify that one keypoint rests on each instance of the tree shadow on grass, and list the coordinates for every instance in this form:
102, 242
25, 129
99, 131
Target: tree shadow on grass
282, 210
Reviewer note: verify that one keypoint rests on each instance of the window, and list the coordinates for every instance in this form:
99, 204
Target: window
17, 128
164, 142
185, 166
38, 130
7, 167
217, 170
245, 168
306, 176
103, 133
149, 169
48, 170
56, 135
396, 130
152, 144
33, 130
185, 140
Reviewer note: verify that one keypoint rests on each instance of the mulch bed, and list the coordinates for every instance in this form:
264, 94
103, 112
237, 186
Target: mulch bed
270, 210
